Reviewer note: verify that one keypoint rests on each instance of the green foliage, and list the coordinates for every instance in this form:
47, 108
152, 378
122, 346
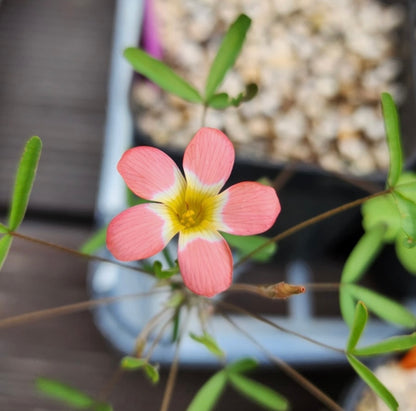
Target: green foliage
162, 274
407, 208
247, 244
5, 243
95, 242
133, 364
258, 393
373, 382
393, 344
24, 181
358, 325
69, 395
222, 101
161, 74
392, 125
363, 254
209, 394
242, 366
227, 54
406, 255
384, 307
209, 343
347, 305
3, 229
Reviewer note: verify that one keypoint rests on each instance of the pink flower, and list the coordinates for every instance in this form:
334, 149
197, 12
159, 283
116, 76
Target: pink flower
193, 207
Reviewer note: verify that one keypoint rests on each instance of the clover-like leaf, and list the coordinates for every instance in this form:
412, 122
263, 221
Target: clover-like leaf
209, 342
227, 54
373, 382
261, 394
24, 181
392, 126
392, 344
358, 325
387, 309
209, 394
161, 74
363, 254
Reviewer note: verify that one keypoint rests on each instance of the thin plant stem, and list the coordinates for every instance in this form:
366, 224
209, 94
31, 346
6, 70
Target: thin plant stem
278, 327
109, 386
258, 290
173, 372
290, 371
76, 252
67, 309
168, 257
311, 221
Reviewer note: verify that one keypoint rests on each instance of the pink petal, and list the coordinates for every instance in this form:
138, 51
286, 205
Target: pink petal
139, 232
151, 174
209, 159
250, 208
205, 262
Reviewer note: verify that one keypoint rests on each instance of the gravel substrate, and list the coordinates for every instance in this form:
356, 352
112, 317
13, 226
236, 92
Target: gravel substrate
320, 66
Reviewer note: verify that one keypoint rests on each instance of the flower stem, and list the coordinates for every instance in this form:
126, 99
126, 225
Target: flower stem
290, 371
311, 221
76, 252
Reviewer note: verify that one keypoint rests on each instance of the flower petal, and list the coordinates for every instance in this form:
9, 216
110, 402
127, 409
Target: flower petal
140, 232
208, 160
205, 262
151, 174
249, 208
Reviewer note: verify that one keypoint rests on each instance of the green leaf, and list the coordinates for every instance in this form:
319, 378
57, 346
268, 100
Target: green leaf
5, 243
209, 343
373, 382
133, 200
363, 254
246, 244
406, 255
248, 94
102, 407
221, 101
163, 274
24, 180
64, 393
393, 344
360, 320
152, 373
384, 307
382, 210
209, 394
347, 305
3, 229
258, 393
392, 126
132, 363
407, 209
242, 366
161, 75
227, 54
175, 326
95, 242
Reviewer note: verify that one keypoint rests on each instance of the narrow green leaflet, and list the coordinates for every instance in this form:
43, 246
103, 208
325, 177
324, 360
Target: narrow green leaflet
24, 180
384, 307
406, 255
373, 382
5, 243
259, 393
407, 208
392, 125
363, 254
360, 321
64, 393
246, 244
3, 229
132, 363
221, 101
161, 75
152, 373
346, 305
242, 366
209, 342
162, 274
393, 344
95, 242
209, 394
227, 54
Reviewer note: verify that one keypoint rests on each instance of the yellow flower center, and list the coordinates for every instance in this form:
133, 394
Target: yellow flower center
188, 218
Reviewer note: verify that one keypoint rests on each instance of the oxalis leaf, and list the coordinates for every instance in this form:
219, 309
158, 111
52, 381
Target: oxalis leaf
358, 325
227, 54
161, 74
363, 254
5, 243
392, 126
373, 382
221, 101
133, 363
384, 307
24, 181
209, 394
95, 242
393, 344
3, 229
69, 395
242, 366
209, 342
258, 393
347, 305
406, 255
